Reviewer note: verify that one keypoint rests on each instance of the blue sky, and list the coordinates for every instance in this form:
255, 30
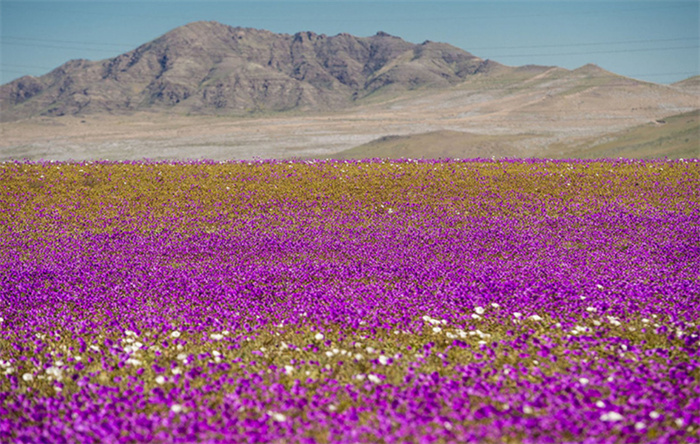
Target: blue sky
650, 40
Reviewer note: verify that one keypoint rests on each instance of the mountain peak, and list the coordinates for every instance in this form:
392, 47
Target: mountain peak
209, 67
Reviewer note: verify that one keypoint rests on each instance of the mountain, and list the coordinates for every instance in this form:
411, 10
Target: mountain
161, 101
691, 84
212, 68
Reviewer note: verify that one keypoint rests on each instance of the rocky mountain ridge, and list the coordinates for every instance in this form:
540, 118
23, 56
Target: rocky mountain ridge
212, 68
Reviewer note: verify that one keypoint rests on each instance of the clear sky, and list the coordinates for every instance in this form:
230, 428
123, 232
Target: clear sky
650, 40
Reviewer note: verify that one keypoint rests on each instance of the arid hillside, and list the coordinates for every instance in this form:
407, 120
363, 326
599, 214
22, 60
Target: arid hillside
212, 68
207, 90
673, 137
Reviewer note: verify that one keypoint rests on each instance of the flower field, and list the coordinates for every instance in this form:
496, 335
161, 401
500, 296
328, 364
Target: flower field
445, 301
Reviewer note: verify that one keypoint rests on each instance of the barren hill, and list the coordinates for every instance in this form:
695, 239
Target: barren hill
310, 95
437, 144
676, 136
211, 68
691, 84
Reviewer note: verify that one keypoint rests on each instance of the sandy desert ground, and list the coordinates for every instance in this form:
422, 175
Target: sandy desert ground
551, 108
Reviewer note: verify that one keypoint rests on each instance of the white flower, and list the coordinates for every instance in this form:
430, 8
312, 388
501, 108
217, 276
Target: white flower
495, 305
584, 381
160, 379
225, 332
176, 408
527, 410
450, 335
679, 422
359, 357
517, 315
437, 329
130, 333
319, 336
535, 317
578, 329
216, 336
600, 287
360, 377
614, 321
176, 371
383, 360
654, 414
475, 316
600, 404
55, 372
332, 408
639, 426
27, 377
370, 350
479, 310
133, 361
175, 334
430, 320
374, 378
288, 369
611, 417
182, 356
279, 417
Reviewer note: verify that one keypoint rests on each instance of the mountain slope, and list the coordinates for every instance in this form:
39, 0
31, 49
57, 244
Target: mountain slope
437, 144
674, 137
211, 68
691, 84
